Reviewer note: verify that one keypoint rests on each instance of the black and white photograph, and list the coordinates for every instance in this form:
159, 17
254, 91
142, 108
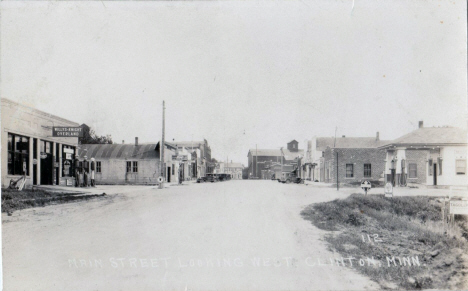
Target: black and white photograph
234, 145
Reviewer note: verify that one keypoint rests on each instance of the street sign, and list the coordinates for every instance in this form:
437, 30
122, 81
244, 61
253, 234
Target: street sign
68, 151
389, 190
180, 157
366, 185
61, 131
459, 207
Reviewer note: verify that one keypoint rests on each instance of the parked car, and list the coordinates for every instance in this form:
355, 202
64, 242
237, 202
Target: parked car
212, 178
290, 177
201, 180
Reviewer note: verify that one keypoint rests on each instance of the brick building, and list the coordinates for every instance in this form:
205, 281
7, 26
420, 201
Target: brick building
354, 159
261, 161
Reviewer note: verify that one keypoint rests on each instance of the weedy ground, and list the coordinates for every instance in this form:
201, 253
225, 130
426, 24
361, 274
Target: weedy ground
15, 200
403, 229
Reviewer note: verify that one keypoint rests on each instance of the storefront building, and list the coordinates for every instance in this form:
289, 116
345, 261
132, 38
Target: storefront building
432, 156
28, 147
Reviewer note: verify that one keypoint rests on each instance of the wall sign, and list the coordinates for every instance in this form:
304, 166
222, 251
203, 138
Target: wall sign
60, 131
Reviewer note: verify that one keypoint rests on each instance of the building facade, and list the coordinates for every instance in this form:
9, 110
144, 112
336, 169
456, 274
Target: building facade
29, 148
127, 163
351, 160
233, 169
429, 156
203, 158
261, 162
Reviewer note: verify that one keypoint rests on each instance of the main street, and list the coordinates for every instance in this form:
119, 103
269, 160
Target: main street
242, 235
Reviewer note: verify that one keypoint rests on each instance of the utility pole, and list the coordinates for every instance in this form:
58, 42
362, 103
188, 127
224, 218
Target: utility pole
162, 147
334, 146
256, 160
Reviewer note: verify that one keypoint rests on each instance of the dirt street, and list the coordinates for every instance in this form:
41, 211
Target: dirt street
234, 235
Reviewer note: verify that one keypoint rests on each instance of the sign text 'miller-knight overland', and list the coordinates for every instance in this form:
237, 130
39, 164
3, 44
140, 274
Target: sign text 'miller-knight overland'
61, 131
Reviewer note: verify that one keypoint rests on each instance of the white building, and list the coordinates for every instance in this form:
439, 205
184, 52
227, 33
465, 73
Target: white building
429, 156
28, 146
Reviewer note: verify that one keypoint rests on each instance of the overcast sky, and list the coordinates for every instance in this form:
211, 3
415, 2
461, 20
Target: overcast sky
239, 73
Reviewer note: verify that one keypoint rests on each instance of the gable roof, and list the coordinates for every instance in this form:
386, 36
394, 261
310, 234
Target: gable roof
432, 136
349, 142
118, 151
234, 165
288, 155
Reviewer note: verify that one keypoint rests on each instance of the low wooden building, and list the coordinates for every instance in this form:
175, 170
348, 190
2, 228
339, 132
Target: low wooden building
126, 163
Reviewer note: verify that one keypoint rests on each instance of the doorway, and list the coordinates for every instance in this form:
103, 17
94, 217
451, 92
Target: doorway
46, 163
435, 174
34, 172
168, 174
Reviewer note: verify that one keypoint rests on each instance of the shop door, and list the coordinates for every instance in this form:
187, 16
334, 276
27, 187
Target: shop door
168, 174
35, 157
435, 174
46, 163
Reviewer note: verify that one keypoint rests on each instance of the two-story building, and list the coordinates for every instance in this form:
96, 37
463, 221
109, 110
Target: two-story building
261, 161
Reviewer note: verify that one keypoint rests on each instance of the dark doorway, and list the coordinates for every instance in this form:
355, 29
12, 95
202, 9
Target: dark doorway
46, 163
34, 172
168, 174
435, 174
56, 168
393, 177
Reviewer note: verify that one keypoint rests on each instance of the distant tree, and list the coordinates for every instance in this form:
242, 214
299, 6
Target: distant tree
90, 137
213, 160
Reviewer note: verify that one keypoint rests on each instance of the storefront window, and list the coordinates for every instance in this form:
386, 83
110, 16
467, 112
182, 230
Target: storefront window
18, 154
68, 155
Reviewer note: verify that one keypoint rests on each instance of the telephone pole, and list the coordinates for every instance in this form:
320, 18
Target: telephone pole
162, 147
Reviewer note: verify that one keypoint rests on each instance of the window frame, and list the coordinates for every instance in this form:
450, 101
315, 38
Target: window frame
415, 170
98, 167
129, 167
352, 171
135, 167
14, 167
368, 172
456, 167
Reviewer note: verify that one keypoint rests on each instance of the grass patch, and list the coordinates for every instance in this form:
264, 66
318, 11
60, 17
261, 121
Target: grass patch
408, 230
15, 200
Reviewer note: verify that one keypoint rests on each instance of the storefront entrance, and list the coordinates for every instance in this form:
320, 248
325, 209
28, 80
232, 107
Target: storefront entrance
46, 163
435, 174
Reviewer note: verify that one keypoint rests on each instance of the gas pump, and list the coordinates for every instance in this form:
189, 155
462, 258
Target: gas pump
403, 174
392, 171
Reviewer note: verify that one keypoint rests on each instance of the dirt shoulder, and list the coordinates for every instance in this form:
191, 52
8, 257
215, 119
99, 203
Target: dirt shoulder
15, 200
399, 243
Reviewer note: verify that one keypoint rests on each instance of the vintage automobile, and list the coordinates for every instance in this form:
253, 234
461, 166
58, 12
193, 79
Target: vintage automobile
212, 178
291, 177
201, 180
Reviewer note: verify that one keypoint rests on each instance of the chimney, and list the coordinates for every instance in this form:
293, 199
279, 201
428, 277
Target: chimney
421, 124
123, 142
377, 137
136, 141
